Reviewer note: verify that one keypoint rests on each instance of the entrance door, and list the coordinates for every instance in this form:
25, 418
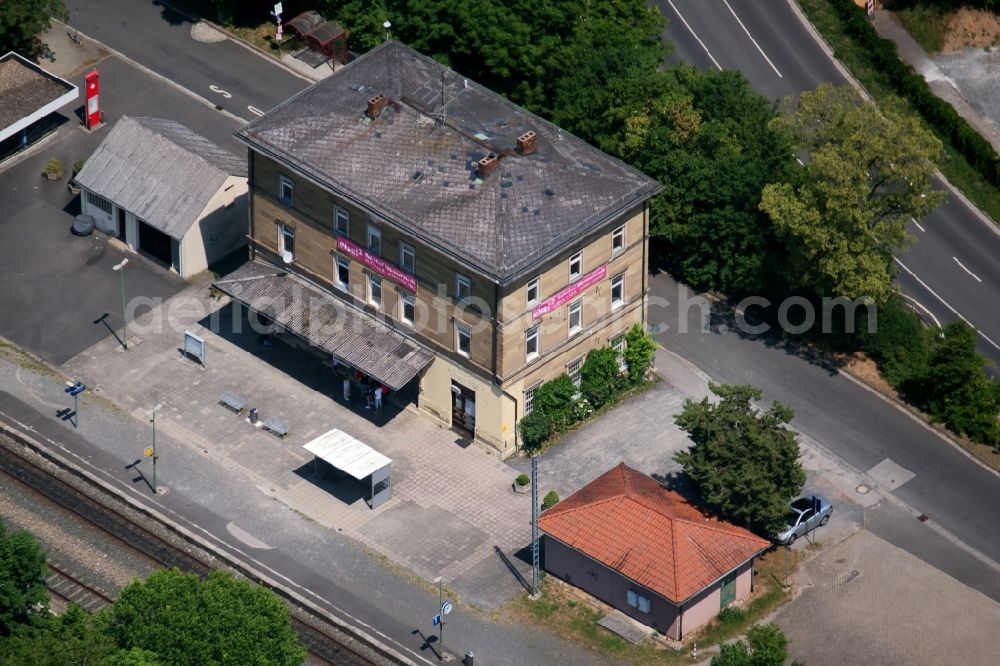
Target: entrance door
728, 592
155, 243
463, 409
121, 224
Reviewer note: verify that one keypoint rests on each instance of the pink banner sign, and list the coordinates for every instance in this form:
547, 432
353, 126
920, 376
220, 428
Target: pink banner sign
377, 264
570, 292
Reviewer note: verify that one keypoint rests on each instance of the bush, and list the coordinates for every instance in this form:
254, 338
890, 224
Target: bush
550, 500
78, 167
555, 400
899, 344
731, 615
639, 350
522, 480
599, 376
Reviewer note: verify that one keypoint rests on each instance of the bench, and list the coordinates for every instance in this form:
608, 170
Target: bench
278, 426
233, 401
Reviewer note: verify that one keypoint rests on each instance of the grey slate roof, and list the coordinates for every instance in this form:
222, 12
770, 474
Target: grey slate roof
416, 164
328, 323
160, 171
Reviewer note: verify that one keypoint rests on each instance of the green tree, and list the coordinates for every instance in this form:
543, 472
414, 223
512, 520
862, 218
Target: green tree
706, 137
954, 388
744, 464
24, 596
765, 645
639, 350
219, 621
536, 427
132, 657
22, 21
75, 637
868, 173
600, 377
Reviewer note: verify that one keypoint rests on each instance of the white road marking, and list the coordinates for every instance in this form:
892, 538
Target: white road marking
684, 21
752, 39
937, 322
962, 266
914, 220
254, 110
216, 89
945, 303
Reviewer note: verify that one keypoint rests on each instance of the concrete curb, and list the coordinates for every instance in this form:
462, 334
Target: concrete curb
916, 416
88, 481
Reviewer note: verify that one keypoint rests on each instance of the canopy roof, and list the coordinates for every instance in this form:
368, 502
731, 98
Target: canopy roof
347, 454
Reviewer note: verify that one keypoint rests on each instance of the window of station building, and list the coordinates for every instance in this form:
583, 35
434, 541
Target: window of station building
576, 266
343, 273
618, 344
407, 258
573, 370
529, 399
463, 288
286, 190
374, 240
575, 316
533, 291
463, 339
531, 342
375, 290
407, 308
287, 240
341, 220
617, 290
618, 240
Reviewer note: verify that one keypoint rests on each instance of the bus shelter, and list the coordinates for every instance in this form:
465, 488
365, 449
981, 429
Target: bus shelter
356, 459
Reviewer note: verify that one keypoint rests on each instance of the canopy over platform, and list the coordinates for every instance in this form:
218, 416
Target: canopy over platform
349, 455
28, 93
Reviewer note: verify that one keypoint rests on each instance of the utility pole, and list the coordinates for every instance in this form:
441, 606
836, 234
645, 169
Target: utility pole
534, 526
121, 269
440, 583
153, 418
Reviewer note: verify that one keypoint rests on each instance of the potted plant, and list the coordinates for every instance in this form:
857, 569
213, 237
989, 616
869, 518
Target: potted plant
522, 484
73, 187
53, 169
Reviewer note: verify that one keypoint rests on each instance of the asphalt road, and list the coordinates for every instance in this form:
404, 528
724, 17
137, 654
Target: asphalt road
159, 38
954, 492
951, 270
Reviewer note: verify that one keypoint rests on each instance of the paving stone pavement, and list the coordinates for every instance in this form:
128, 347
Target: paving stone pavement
450, 507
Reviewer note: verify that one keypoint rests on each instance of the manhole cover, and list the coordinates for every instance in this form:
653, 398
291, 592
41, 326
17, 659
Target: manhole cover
862, 489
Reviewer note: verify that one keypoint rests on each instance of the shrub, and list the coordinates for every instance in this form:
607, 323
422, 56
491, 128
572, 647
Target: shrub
731, 615
555, 400
639, 350
78, 167
54, 167
522, 480
599, 376
550, 500
536, 427
899, 344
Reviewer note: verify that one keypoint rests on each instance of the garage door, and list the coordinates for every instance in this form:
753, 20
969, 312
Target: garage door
155, 243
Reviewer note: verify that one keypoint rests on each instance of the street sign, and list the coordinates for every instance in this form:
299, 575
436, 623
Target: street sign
436, 620
149, 451
76, 389
446, 608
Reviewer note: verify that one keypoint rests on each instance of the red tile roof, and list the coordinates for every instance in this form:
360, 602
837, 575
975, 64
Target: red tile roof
651, 535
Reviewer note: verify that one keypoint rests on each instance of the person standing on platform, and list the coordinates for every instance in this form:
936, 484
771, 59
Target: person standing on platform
378, 399
347, 389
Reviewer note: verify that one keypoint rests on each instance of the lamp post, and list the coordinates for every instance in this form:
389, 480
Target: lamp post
152, 416
121, 269
387, 25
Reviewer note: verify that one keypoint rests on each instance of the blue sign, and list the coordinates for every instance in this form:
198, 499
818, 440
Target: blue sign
437, 620
76, 389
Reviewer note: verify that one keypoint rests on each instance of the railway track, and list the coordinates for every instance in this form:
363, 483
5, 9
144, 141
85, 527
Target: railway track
120, 523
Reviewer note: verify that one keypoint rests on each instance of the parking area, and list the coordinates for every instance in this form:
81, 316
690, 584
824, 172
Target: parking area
60, 294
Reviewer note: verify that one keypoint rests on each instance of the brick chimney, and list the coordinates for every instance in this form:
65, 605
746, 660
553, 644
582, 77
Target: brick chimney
527, 143
486, 165
376, 104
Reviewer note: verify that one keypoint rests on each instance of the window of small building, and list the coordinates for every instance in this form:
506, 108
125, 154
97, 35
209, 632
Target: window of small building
98, 201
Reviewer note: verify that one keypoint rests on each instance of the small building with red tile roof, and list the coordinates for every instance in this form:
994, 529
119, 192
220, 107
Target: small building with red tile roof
648, 552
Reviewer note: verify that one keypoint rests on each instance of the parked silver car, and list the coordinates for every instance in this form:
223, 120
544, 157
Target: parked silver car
805, 515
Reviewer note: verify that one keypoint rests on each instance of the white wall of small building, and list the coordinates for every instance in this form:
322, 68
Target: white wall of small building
221, 228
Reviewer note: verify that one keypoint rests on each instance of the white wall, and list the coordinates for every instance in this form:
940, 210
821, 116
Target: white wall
221, 228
